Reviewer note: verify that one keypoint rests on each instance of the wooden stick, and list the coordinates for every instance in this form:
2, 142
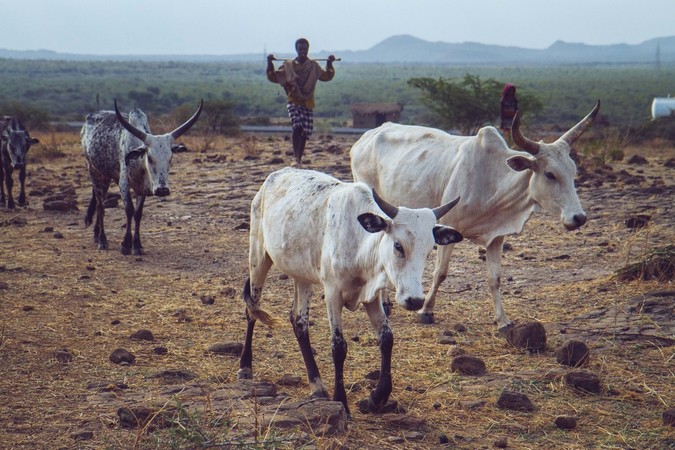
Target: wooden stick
318, 59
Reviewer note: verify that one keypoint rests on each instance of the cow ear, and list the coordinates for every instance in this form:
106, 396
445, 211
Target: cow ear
32, 141
372, 223
445, 235
521, 162
178, 148
135, 154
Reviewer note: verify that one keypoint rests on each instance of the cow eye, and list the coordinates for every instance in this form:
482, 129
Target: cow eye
549, 175
399, 248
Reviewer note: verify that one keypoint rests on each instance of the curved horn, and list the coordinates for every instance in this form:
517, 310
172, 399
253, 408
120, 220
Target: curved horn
187, 125
578, 129
130, 128
521, 141
443, 209
388, 209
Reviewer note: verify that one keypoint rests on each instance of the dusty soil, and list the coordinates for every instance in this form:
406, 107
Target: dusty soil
67, 306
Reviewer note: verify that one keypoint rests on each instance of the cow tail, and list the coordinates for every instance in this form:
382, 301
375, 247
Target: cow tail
90, 211
254, 310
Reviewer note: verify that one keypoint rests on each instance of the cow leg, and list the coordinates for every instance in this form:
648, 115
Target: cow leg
245, 371
338, 347
493, 258
129, 211
2, 182
443, 253
300, 321
9, 183
138, 215
378, 398
96, 205
22, 186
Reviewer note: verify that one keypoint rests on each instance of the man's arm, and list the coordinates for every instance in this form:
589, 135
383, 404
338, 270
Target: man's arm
329, 73
271, 76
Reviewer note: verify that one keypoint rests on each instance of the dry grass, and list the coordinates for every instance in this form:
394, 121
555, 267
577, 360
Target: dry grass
61, 293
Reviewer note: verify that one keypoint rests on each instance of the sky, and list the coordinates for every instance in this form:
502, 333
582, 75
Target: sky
231, 27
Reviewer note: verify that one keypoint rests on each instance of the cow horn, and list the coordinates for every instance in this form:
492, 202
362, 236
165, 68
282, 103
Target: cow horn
187, 125
129, 127
388, 209
443, 209
521, 141
578, 129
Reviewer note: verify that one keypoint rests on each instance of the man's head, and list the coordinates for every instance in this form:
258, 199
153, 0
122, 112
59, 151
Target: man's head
302, 49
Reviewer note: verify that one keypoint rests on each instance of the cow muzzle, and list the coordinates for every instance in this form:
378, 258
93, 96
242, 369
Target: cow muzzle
413, 303
162, 192
577, 222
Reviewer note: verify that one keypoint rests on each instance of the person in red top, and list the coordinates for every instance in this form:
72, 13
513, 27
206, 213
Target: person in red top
509, 107
299, 77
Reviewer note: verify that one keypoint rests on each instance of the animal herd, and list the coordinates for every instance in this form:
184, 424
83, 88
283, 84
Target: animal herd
414, 188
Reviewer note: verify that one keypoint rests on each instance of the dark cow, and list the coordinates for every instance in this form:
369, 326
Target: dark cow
15, 143
121, 148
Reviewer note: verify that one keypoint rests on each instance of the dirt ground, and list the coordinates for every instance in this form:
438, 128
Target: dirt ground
67, 306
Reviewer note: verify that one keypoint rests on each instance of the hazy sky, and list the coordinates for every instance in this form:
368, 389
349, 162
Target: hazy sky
223, 27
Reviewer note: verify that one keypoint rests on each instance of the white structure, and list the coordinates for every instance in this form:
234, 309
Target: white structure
663, 107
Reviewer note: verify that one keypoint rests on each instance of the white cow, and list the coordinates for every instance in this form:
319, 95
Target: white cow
500, 187
126, 152
319, 230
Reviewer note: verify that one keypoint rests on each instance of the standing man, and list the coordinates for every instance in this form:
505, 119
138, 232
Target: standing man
299, 77
508, 108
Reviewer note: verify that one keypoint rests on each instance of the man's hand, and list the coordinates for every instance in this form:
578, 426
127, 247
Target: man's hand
270, 58
331, 58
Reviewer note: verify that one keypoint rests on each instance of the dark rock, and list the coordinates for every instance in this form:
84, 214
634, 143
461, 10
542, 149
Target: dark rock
325, 417
670, 163
208, 299
60, 205
637, 159
160, 350
530, 336
227, 348
515, 401
143, 335
243, 226
121, 356
468, 365
638, 221
458, 327
573, 353
446, 340
82, 435
175, 375
405, 421
143, 417
501, 442
443, 439
63, 356
455, 350
289, 380
584, 381
373, 375
25, 308
229, 292
669, 417
471, 404
3, 286
566, 422
58, 235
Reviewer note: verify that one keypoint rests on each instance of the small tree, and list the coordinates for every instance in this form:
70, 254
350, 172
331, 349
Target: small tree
469, 103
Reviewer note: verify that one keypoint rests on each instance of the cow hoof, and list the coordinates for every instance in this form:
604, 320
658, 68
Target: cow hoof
504, 328
126, 251
139, 251
320, 394
245, 374
103, 246
426, 318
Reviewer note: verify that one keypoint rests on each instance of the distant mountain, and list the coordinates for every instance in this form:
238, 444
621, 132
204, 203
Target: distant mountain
409, 49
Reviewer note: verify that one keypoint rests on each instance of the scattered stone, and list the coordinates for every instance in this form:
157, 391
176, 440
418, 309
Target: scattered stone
325, 417
471, 404
289, 380
63, 356
573, 353
446, 340
669, 417
122, 356
47, 229
175, 375
58, 235
501, 442
106, 386
373, 375
455, 350
443, 439
227, 348
60, 205
82, 435
391, 407
584, 381
160, 350
143, 417
468, 365
670, 163
208, 299
143, 335
405, 421
3, 286
637, 159
514, 400
229, 292
637, 221
566, 422
25, 308
458, 327
530, 336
